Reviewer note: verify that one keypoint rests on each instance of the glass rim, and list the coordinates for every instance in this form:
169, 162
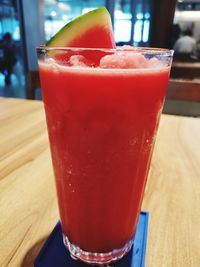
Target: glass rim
139, 49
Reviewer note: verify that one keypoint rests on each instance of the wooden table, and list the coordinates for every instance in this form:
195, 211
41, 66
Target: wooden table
185, 70
182, 89
28, 207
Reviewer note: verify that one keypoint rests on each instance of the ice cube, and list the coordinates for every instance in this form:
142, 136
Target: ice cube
78, 61
154, 63
123, 60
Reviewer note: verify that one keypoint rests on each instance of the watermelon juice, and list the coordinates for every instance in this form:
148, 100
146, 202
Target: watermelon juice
102, 123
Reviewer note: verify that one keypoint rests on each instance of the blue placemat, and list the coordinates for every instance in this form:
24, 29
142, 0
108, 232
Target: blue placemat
54, 253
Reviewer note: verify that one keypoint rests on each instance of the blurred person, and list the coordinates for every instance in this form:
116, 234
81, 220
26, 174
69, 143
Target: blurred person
186, 44
9, 58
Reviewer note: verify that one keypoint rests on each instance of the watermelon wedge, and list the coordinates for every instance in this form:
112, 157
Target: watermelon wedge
91, 30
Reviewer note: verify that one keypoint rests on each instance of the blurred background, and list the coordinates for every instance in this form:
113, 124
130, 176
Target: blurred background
24, 24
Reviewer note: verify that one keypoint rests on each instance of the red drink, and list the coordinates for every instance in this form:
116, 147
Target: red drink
102, 125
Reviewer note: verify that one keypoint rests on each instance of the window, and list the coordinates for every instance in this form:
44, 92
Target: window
12, 76
132, 22
122, 21
58, 13
131, 18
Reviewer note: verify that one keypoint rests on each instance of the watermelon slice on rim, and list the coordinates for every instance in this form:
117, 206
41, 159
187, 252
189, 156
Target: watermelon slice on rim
91, 30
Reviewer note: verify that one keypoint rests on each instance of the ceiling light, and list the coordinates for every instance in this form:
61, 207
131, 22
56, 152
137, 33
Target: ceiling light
65, 17
53, 13
64, 7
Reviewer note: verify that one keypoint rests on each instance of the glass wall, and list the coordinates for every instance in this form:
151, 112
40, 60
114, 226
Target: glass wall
131, 18
122, 21
132, 22
142, 23
12, 80
58, 13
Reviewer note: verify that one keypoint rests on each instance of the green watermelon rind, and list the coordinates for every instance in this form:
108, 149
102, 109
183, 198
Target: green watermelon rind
76, 27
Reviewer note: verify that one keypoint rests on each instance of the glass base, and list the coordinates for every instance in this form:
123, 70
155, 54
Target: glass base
96, 258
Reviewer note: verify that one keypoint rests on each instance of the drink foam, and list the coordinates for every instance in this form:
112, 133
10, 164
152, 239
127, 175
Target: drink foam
126, 59
129, 61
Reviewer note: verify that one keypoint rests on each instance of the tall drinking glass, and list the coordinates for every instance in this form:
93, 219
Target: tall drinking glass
102, 110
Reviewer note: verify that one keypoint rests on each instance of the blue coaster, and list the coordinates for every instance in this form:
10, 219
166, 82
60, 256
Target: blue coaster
55, 254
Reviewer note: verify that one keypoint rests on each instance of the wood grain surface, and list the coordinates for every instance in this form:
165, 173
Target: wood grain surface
28, 206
